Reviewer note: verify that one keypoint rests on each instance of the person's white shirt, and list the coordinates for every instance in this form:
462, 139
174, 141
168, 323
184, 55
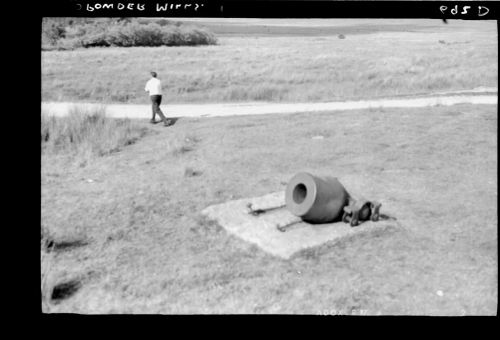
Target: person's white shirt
153, 86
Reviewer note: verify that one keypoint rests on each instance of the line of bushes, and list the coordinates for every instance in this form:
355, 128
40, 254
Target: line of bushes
64, 35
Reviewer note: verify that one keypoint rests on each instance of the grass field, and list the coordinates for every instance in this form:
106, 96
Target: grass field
290, 63
127, 235
311, 27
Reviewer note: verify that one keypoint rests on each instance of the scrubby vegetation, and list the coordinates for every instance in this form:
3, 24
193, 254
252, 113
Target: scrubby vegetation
85, 134
67, 34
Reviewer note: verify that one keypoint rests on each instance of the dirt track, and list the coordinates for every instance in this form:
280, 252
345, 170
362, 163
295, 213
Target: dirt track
475, 96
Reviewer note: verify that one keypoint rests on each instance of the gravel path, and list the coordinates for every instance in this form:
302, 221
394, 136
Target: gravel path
475, 96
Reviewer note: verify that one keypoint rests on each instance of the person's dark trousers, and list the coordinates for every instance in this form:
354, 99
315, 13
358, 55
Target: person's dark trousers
156, 101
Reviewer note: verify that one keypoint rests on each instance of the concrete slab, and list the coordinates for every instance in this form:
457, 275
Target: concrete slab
261, 229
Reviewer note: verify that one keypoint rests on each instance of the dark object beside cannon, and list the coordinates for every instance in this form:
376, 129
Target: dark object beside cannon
361, 210
316, 200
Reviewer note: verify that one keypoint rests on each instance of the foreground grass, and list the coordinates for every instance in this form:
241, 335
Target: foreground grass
76, 141
139, 244
397, 61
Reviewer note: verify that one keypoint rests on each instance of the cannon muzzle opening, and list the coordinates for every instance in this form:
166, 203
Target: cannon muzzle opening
314, 199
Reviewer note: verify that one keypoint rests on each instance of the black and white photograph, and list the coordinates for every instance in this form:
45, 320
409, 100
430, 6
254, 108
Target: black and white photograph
325, 165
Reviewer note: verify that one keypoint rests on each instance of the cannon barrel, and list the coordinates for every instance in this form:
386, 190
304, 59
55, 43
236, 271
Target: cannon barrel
315, 199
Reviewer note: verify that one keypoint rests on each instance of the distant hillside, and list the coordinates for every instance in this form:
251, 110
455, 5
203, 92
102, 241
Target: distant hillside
305, 27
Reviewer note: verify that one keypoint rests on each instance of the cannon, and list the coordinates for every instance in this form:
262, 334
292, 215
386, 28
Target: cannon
314, 199
325, 200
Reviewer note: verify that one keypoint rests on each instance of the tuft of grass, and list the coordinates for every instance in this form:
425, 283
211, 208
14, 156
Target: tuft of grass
87, 133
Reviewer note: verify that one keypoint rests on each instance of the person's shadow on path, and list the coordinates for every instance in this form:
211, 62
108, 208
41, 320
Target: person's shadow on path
171, 121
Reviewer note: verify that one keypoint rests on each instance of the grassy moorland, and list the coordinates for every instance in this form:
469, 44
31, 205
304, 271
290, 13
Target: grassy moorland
125, 233
372, 60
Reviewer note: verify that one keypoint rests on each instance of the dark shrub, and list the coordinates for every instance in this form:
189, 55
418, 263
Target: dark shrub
124, 33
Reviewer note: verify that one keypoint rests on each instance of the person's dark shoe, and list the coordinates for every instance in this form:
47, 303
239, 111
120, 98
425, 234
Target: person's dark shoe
152, 121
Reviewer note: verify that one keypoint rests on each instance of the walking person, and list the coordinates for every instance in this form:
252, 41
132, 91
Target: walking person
153, 86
